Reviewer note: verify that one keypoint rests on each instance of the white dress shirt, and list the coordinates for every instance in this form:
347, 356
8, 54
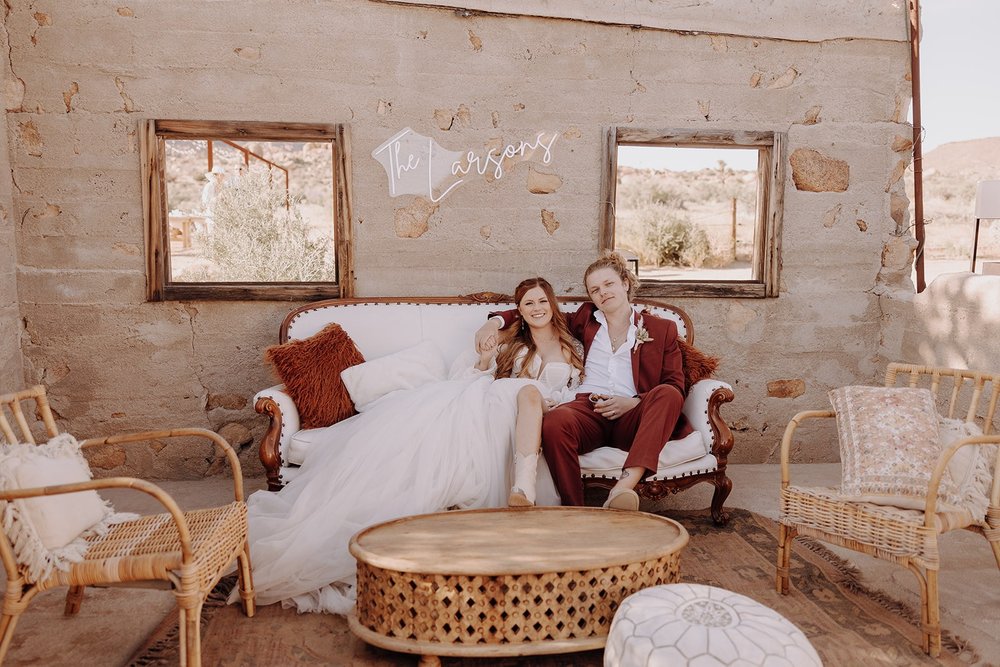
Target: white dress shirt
606, 371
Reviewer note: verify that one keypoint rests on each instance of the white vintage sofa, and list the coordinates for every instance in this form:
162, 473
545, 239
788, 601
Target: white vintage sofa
385, 325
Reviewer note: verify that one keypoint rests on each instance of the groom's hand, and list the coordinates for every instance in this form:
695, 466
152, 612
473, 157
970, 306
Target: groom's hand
487, 336
616, 406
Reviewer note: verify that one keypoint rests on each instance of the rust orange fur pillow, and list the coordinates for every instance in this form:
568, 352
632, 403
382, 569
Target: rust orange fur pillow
310, 369
697, 364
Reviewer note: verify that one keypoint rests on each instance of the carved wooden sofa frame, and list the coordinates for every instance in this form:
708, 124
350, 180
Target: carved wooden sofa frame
706, 398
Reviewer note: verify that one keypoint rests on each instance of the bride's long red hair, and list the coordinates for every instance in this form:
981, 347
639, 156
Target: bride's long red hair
519, 337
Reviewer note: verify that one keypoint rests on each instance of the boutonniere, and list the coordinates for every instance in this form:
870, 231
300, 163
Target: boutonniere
641, 335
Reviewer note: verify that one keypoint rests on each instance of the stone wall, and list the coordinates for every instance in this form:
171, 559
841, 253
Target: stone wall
833, 78
11, 370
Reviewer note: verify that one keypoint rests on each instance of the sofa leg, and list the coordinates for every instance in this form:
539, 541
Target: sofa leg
723, 486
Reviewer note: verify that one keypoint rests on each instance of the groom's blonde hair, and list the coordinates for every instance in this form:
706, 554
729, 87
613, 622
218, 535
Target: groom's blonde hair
614, 260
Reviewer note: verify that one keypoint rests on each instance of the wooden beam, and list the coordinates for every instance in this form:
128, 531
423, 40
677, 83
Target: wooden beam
696, 138
245, 130
344, 211
609, 186
156, 234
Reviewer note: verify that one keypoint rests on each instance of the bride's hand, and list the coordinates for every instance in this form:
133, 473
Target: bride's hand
486, 355
486, 336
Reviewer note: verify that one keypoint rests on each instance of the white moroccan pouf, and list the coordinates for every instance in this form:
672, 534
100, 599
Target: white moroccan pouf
691, 624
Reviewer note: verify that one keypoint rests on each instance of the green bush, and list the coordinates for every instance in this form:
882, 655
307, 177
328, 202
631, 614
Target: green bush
255, 237
662, 236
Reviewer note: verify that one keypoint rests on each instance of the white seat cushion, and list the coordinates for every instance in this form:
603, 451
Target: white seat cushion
302, 442
603, 461
608, 461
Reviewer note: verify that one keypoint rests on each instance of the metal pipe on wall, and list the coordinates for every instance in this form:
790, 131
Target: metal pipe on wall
918, 181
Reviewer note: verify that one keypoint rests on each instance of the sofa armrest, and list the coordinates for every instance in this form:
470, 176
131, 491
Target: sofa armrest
284, 416
701, 407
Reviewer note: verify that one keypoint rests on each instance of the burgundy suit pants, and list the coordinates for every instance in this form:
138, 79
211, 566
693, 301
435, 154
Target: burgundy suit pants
573, 428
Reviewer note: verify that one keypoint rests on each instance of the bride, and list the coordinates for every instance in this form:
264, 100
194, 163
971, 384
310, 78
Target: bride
440, 446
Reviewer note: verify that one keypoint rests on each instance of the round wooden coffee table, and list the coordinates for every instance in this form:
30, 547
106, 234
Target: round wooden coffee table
506, 582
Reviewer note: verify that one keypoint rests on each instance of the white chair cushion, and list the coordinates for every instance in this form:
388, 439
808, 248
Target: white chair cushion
46, 531
971, 467
693, 624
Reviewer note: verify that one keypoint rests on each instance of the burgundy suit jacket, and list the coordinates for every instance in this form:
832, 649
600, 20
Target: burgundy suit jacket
657, 361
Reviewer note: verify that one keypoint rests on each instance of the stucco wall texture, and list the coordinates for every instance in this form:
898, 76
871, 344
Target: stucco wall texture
82, 75
954, 322
11, 371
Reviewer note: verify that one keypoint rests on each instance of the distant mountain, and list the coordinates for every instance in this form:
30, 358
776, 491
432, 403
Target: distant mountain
976, 155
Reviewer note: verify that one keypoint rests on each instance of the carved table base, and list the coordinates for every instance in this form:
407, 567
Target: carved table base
505, 582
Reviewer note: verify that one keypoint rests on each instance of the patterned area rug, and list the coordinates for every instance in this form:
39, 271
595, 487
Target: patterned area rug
846, 622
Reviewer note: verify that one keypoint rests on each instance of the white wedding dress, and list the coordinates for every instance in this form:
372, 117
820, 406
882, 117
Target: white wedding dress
443, 445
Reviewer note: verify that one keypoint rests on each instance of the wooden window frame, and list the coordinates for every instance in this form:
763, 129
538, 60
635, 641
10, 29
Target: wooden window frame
159, 285
766, 260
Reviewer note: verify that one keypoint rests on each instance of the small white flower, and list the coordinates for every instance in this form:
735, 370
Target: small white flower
641, 335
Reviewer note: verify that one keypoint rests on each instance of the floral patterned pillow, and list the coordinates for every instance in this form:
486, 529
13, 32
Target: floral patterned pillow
889, 444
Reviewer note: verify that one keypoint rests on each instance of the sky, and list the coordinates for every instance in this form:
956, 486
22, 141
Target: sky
959, 85
959, 74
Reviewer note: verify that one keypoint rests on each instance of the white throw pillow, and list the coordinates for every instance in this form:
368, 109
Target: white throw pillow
49, 531
971, 467
406, 369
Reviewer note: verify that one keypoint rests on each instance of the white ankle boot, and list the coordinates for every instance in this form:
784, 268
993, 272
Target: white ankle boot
522, 494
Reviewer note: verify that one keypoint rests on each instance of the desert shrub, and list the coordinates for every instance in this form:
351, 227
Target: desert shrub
662, 236
660, 193
255, 238
686, 189
639, 189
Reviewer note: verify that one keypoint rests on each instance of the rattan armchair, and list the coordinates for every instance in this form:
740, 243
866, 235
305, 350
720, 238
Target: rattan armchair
187, 552
905, 537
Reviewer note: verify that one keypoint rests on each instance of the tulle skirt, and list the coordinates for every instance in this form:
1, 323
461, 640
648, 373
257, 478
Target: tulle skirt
440, 446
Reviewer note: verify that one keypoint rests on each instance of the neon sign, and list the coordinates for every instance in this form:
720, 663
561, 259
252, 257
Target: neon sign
418, 165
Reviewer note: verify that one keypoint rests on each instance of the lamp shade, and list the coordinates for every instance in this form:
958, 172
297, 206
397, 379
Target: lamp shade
988, 200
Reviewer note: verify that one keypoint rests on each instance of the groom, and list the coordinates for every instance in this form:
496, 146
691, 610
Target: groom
633, 389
